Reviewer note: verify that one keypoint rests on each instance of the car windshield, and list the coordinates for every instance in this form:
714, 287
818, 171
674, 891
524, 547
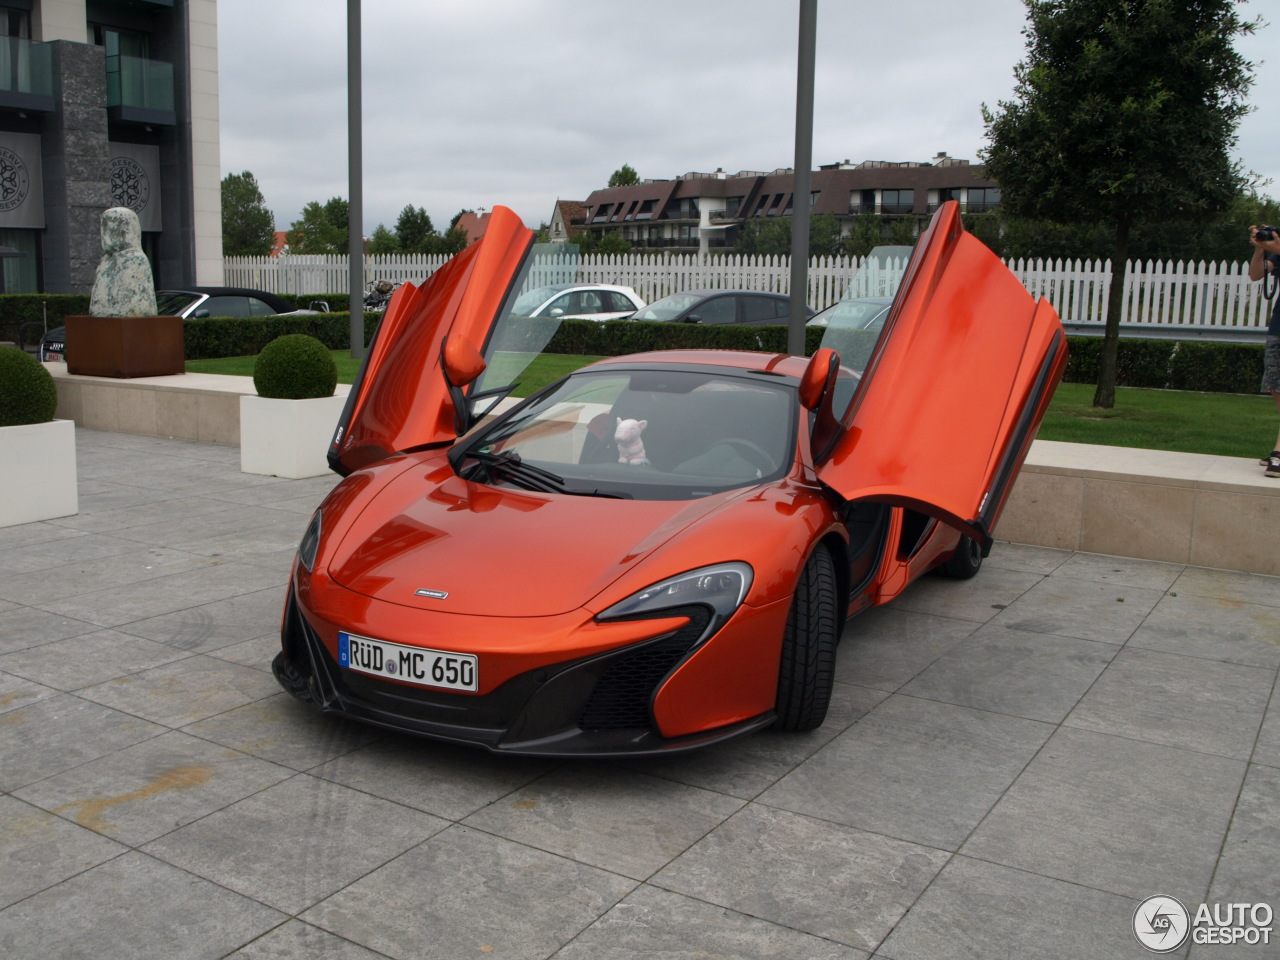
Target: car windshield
170, 303
878, 277
528, 302
667, 307
659, 433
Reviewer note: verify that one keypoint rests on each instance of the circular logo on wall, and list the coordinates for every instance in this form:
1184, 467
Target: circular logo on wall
130, 185
1161, 924
14, 180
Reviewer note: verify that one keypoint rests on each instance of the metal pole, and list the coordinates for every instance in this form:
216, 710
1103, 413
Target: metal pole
355, 175
803, 178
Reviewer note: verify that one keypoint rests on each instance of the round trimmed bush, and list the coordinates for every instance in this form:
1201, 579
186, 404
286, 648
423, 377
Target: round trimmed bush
27, 393
295, 367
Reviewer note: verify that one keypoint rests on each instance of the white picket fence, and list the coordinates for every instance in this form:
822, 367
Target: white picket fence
1196, 297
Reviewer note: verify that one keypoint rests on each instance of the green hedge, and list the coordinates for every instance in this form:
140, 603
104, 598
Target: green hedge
1180, 365
1201, 365
19, 308
213, 337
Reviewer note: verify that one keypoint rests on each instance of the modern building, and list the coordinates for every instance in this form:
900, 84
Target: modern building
108, 103
704, 210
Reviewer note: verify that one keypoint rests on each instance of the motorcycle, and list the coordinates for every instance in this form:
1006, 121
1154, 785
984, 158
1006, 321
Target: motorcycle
378, 295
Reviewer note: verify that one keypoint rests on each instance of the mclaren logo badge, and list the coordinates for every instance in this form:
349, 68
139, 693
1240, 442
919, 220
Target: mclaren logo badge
433, 594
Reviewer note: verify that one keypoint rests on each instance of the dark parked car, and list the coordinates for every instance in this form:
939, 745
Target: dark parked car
195, 303
748, 307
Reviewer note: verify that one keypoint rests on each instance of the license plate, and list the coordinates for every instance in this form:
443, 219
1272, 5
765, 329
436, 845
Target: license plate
416, 665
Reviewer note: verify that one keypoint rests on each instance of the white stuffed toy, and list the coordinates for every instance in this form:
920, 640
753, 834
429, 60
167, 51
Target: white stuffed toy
630, 446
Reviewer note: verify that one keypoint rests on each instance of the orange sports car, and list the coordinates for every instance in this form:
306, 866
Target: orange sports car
659, 551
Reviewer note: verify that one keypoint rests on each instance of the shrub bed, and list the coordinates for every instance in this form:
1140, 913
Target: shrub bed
1200, 365
1173, 364
19, 308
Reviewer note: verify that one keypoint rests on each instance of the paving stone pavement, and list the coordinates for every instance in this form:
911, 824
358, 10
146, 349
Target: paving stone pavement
1011, 764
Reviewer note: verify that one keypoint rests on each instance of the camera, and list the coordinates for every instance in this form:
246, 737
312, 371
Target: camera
1266, 233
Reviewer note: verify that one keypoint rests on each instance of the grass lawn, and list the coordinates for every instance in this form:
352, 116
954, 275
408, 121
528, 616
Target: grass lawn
1228, 425
1225, 424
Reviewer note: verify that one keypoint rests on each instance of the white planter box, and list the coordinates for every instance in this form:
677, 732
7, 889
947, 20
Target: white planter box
38, 472
287, 438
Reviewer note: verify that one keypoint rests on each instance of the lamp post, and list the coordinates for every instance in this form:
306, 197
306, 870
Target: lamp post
355, 174
801, 182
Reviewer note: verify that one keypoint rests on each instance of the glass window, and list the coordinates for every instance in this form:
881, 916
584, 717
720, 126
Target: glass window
761, 309
703, 433
615, 302
897, 201
260, 308
667, 308
226, 306
21, 273
718, 310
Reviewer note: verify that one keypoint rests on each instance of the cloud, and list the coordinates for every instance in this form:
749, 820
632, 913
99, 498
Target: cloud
521, 102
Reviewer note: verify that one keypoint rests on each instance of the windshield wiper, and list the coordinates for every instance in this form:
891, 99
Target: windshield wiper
529, 477
522, 474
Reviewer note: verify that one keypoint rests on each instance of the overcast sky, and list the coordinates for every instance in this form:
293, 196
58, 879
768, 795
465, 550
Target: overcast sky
521, 102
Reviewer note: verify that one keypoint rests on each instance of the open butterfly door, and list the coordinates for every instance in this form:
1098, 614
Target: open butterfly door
955, 389
401, 399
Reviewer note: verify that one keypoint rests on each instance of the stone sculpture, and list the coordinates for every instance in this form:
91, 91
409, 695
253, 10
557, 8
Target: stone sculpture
123, 285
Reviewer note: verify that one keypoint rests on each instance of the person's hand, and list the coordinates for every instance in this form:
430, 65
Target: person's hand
1270, 246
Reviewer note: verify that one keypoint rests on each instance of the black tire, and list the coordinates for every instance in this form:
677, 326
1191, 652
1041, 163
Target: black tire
966, 562
806, 673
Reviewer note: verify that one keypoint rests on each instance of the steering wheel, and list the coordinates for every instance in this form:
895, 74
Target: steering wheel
753, 453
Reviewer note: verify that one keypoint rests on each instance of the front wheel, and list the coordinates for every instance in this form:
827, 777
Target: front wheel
807, 671
966, 562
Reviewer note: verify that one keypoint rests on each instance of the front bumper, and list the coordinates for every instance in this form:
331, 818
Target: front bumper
595, 706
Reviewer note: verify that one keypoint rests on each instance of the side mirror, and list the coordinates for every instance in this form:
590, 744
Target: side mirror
817, 388
555, 312
462, 362
820, 372
693, 318
200, 315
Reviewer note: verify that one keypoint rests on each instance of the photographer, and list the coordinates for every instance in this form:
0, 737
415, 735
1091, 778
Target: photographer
1265, 266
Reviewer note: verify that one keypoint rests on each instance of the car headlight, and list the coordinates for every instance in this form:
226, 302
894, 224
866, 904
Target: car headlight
310, 543
721, 587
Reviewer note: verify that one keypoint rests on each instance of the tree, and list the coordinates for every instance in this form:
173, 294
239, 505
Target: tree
454, 241
414, 231
322, 229
248, 228
1124, 112
613, 242
624, 176
383, 241
771, 236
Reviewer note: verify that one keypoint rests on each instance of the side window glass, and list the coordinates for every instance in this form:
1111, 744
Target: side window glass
226, 306
616, 302
260, 308
565, 303
718, 310
758, 310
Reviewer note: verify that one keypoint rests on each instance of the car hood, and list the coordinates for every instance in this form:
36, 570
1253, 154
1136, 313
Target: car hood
481, 550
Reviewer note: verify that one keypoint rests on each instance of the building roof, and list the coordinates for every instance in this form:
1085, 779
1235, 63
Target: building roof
756, 190
474, 224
